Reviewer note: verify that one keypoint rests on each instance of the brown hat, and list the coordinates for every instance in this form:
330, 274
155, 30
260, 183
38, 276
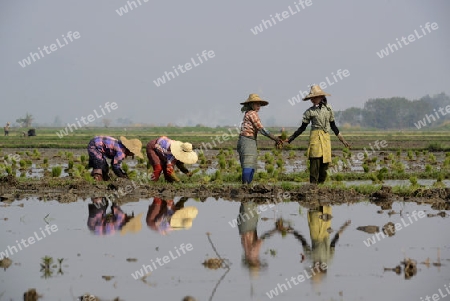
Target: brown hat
255, 98
183, 152
315, 91
133, 145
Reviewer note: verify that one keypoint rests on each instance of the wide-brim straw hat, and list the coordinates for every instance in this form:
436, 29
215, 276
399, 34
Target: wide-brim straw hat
255, 98
315, 91
134, 225
183, 152
182, 219
133, 145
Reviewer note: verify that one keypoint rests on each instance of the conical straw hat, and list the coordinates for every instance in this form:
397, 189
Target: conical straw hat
183, 152
315, 91
133, 145
255, 98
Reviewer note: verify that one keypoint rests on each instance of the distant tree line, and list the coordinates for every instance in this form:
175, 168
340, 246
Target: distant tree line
397, 113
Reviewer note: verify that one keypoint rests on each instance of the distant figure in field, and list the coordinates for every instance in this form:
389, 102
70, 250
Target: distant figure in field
101, 148
6, 129
164, 153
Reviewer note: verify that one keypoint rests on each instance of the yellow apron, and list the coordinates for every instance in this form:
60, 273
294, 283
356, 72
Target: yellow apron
319, 146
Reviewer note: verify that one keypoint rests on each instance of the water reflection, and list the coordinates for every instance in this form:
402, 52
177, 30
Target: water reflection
102, 223
164, 216
321, 251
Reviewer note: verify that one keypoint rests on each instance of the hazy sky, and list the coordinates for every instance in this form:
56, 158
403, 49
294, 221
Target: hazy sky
118, 58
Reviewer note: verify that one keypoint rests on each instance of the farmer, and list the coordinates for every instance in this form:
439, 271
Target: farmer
321, 117
164, 153
250, 127
101, 148
6, 129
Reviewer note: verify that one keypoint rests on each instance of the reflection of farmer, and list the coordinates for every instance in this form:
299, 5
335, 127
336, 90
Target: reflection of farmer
101, 148
6, 129
164, 153
101, 223
247, 223
164, 216
250, 127
321, 117
322, 250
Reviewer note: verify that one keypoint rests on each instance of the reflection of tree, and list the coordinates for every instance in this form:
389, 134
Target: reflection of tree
26, 121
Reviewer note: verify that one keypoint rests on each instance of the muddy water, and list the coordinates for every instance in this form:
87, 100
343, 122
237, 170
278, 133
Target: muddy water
351, 271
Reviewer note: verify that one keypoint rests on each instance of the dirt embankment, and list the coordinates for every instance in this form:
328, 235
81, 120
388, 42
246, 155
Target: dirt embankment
124, 191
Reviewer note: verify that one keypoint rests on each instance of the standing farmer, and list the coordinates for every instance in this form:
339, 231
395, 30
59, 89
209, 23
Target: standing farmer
321, 117
6, 129
101, 148
250, 126
164, 153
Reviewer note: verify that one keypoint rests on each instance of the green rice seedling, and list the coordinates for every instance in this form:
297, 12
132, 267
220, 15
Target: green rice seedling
280, 163
76, 174
447, 154
83, 159
222, 163
432, 158
69, 155
269, 168
217, 177
60, 153
365, 155
28, 153
230, 163
22, 163
291, 154
410, 154
446, 162
399, 153
366, 168
287, 186
5, 157
28, 162
70, 164
140, 160
413, 181
56, 171
417, 153
23, 174
263, 175
339, 177
440, 177
275, 174
391, 156
45, 160
8, 170
125, 167
428, 168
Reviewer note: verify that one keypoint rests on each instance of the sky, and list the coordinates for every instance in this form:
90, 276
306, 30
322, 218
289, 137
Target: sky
117, 56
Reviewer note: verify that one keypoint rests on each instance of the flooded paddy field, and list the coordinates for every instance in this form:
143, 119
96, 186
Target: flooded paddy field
225, 248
